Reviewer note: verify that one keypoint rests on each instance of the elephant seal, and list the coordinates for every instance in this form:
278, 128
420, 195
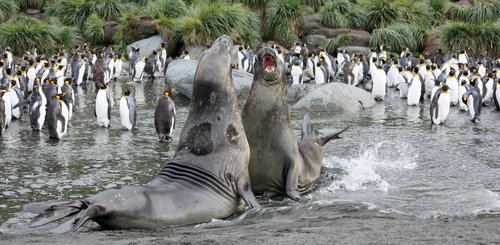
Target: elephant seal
206, 179
278, 164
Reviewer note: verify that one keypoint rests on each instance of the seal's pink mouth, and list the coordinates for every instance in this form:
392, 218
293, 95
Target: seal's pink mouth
268, 63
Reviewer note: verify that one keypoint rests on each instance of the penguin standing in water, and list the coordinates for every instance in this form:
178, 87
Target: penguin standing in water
487, 92
452, 83
379, 78
30, 76
415, 90
473, 100
16, 96
165, 117
3, 112
128, 113
461, 91
38, 107
440, 105
138, 70
103, 104
57, 117
69, 96
496, 94
118, 66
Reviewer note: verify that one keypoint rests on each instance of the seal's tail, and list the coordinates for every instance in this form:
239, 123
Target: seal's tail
52, 211
307, 130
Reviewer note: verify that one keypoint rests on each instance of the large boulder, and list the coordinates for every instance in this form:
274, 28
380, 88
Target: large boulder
298, 91
147, 46
339, 97
314, 41
110, 28
433, 43
311, 25
180, 74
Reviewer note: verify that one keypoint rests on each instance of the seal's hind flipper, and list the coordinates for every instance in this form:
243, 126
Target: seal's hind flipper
78, 220
326, 138
57, 212
307, 127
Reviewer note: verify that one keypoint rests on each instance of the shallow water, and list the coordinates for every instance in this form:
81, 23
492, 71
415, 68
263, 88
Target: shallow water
391, 165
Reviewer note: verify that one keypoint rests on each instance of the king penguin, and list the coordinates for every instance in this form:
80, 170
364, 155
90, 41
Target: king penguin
452, 83
16, 97
3, 122
103, 105
415, 89
165, 117
69, 96
38, 107
57, 117
461, 91
496, 94
440, 105
379, 78
128, 110
296, 73
138, 70
473, 100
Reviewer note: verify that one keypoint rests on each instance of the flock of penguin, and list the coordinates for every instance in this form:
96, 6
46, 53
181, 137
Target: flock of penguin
447, 80
46, 84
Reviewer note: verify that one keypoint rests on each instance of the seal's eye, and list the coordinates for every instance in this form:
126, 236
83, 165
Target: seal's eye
268, 63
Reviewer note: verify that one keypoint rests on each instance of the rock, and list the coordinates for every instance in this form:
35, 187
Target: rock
433, 43
140, 27
335, 96
311, 25
110, 28
147, 46
297, 92
180, 74
355, 49
314, 41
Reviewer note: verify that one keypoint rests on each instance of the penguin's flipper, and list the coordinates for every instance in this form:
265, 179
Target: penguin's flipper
132, 110
326, 138
22, 103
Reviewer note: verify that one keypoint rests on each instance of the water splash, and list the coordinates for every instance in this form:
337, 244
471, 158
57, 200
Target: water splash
371, 169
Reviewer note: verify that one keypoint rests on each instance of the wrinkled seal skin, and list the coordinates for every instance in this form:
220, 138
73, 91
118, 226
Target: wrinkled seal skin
207, 178
278, 164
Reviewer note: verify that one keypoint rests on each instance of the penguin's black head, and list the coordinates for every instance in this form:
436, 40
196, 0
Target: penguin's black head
240, 48
52, 81
466, 73
68, 81
452, 73
434, 66
374, 59
8, 71
126, 92
473, 81
19, 72
167, 93
437, 82
428, 67
490, 74
445, 88
60, 96
162, 45
400, 68
463, 82
396, 61
102, 86
13, 82
118, 56
1, 62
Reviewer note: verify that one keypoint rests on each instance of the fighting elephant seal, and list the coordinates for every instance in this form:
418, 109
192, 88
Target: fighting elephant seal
278, 165
207, 178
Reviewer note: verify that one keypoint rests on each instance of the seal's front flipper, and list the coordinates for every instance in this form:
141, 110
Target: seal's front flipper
245, 191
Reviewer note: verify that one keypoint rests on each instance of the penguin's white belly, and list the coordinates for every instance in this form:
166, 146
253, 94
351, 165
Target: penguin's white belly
8, 108
31, 75
101, 109
453, 85
81, 71
470, 105
443, 104
489, 91
429, 84
320, 77
14, 100
461, 92
403, 90
296, 73
118, 68
379, 83
139, 69
392, 77
125, 114
414, 92
497, 93
62, 126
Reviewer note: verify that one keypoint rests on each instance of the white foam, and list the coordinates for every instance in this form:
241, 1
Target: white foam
363, 172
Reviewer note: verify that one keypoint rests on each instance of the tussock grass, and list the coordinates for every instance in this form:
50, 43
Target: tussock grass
342, 14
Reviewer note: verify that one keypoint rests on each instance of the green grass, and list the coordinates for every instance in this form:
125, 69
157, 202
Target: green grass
314, 4
479, 38
332, 44
279, 24
7, 9
76, 12
22, 33
207, 21
94, 29
398, 37
380, 13
342, 14
166, 8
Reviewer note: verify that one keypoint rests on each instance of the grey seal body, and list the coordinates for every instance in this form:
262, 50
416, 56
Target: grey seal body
207, 178
278, 164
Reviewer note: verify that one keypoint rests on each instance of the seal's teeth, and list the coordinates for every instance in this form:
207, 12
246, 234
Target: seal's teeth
270, 69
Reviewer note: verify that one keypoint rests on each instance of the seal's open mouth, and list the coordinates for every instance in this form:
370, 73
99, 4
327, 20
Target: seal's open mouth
268, 63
